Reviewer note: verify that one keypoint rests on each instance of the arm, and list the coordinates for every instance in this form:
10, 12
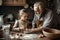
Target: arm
33, 22
15, 25
48, 19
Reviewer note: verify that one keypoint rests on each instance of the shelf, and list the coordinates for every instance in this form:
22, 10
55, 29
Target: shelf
14, 2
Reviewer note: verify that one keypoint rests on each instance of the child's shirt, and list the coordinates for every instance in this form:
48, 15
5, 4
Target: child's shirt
18, 24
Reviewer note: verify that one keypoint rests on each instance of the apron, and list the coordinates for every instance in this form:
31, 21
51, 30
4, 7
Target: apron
39, 22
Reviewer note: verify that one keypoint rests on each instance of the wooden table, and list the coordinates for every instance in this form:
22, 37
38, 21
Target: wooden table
44, 38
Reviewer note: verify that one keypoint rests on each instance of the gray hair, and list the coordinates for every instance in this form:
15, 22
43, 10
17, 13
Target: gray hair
40, 5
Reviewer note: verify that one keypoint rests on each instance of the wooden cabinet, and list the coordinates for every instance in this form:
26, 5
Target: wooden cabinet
14, 2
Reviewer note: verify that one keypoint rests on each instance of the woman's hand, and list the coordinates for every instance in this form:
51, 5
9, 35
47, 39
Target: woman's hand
32, 30
39, 29
41, 36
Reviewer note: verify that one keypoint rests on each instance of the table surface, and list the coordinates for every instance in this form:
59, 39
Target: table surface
6, 36
44, 38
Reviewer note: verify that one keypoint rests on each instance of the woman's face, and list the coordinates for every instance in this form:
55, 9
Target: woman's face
24, 16
37, 10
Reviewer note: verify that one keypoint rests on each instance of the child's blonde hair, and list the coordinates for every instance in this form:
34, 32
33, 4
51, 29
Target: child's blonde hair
22, 12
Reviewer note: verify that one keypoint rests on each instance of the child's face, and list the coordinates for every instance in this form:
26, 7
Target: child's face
24, 17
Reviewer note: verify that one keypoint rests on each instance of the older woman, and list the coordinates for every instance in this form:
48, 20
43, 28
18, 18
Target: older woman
43, 17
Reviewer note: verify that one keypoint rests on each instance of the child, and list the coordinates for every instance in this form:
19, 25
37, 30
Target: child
22, 22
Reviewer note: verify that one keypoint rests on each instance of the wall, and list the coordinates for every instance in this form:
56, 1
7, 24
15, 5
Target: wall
0, 2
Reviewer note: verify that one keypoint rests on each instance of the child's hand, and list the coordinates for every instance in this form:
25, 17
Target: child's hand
21, 28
